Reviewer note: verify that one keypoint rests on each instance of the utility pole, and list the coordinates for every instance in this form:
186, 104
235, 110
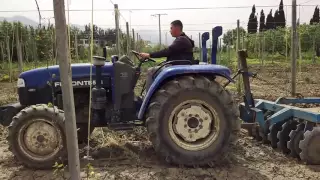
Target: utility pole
159, 16
67, 90
128, 38
294, 47
116, 14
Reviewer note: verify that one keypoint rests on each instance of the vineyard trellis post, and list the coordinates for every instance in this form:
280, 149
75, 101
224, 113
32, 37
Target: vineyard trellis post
293, 47
133, 42
128, 38
138, 45
314, 48
19, 51
273, 45
76, 45
67, 90
299, 45
2, 53
116, 15
200, 51
9, 57
238, 60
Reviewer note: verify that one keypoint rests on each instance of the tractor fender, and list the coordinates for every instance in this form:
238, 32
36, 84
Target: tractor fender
177, 70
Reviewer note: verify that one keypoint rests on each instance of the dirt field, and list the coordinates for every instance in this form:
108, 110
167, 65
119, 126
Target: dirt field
130, 156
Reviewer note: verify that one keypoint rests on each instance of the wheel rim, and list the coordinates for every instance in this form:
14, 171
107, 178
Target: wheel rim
40, 139
194, 125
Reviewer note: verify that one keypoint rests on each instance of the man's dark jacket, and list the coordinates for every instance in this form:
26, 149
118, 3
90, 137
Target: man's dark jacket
180, 49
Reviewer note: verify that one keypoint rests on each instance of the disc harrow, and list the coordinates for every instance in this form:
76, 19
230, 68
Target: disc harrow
283, 135
294, 131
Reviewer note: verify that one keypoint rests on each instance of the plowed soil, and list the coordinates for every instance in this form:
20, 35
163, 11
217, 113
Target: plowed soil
122, 155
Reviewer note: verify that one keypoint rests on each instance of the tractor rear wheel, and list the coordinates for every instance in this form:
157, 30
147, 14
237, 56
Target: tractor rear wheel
37, 136
191, 121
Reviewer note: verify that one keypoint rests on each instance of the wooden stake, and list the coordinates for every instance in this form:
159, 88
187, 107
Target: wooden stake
128, 38
67, 90
19, 52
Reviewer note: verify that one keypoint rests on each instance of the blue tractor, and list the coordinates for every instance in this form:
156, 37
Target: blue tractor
189, 116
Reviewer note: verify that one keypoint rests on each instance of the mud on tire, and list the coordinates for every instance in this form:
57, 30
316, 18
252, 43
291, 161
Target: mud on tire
162, 113
37, 136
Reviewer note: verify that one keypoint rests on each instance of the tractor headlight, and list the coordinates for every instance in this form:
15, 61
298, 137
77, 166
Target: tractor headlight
21, 83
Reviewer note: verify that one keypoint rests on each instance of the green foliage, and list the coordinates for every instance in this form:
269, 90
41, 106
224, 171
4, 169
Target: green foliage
230, 37
39, 45
277, 41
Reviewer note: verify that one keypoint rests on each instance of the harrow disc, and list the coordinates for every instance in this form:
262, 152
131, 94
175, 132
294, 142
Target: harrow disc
295, 137
310, 146
283, 135
256, 133
272, 136
264, 135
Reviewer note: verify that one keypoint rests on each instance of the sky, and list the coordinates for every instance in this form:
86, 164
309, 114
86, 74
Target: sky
195, 21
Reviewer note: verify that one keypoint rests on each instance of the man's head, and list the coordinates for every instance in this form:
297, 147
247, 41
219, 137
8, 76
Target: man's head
176, 28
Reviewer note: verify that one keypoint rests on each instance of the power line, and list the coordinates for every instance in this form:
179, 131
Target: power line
306, 2
154, 9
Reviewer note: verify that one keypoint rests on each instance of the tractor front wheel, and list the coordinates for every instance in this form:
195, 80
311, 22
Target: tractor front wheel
191, 121
37, 136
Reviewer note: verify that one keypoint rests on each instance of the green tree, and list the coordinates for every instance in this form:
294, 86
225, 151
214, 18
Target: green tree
281, 17
270, 21
276, 19
253, 22
316, 16
230, 37
262, 26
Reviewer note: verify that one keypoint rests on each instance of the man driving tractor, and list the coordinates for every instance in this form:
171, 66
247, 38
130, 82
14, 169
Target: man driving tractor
180, 49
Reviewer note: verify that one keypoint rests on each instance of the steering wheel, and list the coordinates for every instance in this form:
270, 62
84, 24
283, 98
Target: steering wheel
137, 54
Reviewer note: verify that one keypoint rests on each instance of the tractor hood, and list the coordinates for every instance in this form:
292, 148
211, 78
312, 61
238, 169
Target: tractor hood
38, 78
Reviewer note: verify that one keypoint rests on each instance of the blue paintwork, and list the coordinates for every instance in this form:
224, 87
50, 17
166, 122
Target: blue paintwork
216, 32
38, 78
281, 112
308, 100
205, 37
182, 69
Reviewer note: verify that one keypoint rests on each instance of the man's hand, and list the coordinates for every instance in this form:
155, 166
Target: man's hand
144, 55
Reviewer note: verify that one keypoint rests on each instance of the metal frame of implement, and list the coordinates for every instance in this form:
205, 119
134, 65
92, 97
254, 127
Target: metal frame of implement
252, 110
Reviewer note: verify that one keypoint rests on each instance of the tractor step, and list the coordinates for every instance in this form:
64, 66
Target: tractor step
121, 126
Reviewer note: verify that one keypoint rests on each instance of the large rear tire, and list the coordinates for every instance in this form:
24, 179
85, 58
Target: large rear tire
37, 136
191, 121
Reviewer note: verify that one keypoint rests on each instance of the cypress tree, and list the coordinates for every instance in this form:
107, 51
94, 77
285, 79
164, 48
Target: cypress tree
270, 21
253, 22
315, 19
282, 17
276, 19
262, 26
